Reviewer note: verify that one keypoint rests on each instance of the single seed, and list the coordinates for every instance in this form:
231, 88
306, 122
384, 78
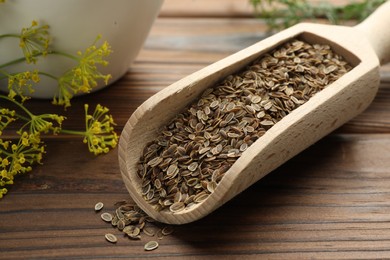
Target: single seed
204, 150
99, 206
214, 104
111, 238
200, 197
167, 230
211, 186
256, 99
106, 216
160, 234
121, 224
128, 229
149, 231
193, 166
172, 169
151, 245
115, 221
243, 147
176, 207
154, 162
134, 232
229, 117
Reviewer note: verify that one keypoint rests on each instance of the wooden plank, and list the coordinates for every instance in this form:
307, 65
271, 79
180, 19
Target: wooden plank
215, 8
329, 202
218, 8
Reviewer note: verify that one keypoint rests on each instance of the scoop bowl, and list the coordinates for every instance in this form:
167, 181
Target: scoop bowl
364, 46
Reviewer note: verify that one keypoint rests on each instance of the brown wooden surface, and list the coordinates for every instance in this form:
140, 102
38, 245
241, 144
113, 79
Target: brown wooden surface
219, 8
330, 202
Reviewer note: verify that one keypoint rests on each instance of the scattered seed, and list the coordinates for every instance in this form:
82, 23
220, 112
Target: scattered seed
111, 238
151, 245
167, 230
106, 216
160, 234
149, 231
121, 224
133, 232
133, 222
99, 206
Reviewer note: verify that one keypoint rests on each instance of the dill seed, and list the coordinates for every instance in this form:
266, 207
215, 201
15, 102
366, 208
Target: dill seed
99, 206
151, 245
111, 238
106, 216
191, 154
133, 222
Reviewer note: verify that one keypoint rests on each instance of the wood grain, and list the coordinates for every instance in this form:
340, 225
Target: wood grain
217, 8
329, 202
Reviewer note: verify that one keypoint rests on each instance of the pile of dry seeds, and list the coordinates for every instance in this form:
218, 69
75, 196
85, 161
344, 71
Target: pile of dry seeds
185, 163
133, 222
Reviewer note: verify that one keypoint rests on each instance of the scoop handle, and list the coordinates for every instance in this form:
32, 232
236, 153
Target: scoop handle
377, 29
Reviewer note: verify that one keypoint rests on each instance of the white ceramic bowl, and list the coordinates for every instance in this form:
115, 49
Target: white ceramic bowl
74, 25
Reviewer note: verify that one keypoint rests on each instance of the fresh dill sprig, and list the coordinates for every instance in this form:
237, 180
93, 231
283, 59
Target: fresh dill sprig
19, 155
280, 14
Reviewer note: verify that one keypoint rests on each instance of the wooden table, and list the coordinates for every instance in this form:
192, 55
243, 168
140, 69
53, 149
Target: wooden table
330, 202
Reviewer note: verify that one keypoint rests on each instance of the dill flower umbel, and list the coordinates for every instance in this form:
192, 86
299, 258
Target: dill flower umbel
44, 123
84, 76
34, 40
21, 84
99, 133
17, 158
6, 117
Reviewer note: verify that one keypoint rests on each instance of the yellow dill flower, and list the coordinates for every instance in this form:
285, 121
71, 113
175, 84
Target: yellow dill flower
21, 84
34, 41
36, 124
99, 135
4, 162
84, 76
3, 192
6, 117
44, 123
18, 157
66, 90
4, 144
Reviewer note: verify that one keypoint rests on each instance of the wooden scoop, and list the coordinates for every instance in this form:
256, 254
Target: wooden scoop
364, 47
